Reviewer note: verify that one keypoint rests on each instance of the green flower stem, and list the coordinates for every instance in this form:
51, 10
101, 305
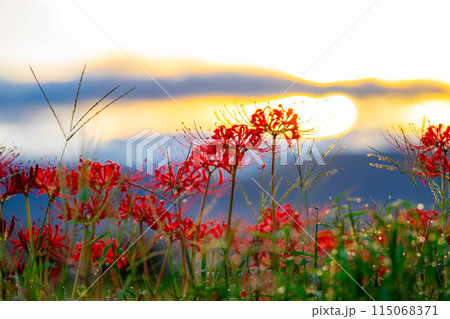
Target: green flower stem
272, 194
143, 251
200, 216
100, 284
161, 273
230, 206
80, 261
88, 254
227, 234
30, 228
183, 253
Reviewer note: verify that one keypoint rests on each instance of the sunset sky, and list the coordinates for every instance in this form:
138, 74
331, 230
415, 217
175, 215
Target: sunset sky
353, 67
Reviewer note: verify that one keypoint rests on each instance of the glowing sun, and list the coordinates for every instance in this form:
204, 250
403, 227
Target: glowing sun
327, 116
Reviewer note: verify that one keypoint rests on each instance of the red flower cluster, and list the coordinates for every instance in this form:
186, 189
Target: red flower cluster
101, 175
47, 182
20, 180
437, 138
434, 152
6, 159
285, 217
292, 236
149, 209
179, 179
177, 226
99, 246
277, 121
210, 230
325, 240
210, 155
419, 219
51, 240
236, 140
89, 191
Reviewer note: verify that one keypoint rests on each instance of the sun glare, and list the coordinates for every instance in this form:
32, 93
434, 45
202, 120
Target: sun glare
328, 116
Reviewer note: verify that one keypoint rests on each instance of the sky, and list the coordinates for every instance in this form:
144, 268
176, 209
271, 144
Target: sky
354, 67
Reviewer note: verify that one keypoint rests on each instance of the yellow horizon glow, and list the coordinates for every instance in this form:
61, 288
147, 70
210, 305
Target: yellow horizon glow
434, 112
329, 116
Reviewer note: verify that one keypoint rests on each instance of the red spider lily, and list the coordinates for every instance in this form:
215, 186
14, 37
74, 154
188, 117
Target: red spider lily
383, 269
92, 174
86, 210
149, 209
287, 220
210, 159
209, 156
236, 140
285, 217
20, 181
208, 231
5, 229
178, 179
51, 241
100, 175
325, 240
48, 181
17, 266
70, 180
212, 165
424, 222
7, 156
7, 188
293, 225
277, 121
177, 226
436, 138
98, 250
207, 153
433, 165
419, 219
89, 192
211, 230
433, 153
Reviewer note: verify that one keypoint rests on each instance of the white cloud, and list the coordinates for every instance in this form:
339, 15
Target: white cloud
394, 40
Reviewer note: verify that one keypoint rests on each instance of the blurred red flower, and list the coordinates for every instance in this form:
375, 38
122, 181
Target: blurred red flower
6, 230
99, 246
51, 241
179, 179
149, 209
